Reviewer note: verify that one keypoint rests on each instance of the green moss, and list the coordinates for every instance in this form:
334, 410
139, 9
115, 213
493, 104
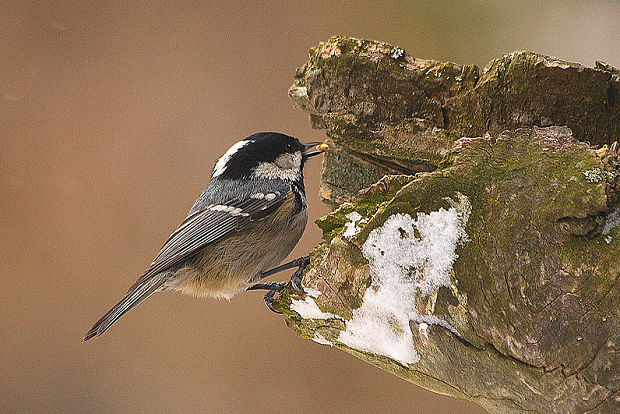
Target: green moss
448, 160
525, 89
332, 223
535, 294
521, 185
367, 204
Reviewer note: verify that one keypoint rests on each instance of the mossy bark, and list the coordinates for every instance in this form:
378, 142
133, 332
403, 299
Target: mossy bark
535, 292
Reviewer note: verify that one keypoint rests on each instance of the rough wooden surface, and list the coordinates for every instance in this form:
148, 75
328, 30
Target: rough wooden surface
530, 320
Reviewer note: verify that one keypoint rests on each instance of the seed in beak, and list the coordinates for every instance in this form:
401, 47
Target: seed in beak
320, 148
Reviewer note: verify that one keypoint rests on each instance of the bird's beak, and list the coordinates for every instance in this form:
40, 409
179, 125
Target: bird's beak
320, 148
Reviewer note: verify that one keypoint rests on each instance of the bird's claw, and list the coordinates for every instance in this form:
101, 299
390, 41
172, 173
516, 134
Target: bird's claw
272, 288
275, 287
269, 297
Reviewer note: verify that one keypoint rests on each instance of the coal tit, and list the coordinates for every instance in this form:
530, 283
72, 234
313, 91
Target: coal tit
248, 219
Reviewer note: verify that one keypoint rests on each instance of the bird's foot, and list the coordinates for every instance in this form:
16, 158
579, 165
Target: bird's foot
275, 287
272, 288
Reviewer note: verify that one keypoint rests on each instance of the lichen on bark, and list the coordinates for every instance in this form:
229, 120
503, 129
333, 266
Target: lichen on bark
530, 318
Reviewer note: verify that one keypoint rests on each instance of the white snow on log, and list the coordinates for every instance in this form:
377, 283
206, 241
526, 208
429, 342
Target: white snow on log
308, 309
407, 257
313, 293
320, 339
352, 226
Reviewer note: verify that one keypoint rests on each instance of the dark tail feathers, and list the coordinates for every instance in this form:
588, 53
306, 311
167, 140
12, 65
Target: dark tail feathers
135, 296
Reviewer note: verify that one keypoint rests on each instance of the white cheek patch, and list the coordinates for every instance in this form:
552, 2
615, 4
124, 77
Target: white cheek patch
220, 165
285, 167
289, 161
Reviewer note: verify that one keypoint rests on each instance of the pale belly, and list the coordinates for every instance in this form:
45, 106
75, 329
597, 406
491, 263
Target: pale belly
231, 265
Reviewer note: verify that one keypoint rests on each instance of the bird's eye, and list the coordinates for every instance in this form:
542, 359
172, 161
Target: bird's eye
289, 146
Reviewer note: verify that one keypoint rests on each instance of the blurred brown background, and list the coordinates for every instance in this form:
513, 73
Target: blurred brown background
111, 118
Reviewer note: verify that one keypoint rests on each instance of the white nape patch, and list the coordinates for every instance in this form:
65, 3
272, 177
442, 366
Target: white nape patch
612, 220
220, 165
285, 167
233, 211
320, 339
407, 257
308, 309
352, 227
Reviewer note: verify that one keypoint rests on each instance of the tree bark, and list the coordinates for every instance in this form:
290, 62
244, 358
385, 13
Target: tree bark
474, 248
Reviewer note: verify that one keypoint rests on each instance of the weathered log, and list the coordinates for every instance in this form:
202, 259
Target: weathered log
485, 268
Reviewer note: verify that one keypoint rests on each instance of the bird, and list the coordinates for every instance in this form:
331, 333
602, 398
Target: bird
248, 219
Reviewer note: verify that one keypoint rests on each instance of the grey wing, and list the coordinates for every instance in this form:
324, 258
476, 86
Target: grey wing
202, 226
211, 224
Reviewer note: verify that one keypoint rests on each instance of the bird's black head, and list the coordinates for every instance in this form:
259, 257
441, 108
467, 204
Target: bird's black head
267, 155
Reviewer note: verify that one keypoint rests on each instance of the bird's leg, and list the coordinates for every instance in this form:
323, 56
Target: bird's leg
274, 287
300, 264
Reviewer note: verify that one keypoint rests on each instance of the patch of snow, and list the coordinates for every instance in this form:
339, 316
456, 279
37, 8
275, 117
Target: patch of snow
320, 339
308, 309
313, 293
352, 227
434, 320
423, 329
407, 257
